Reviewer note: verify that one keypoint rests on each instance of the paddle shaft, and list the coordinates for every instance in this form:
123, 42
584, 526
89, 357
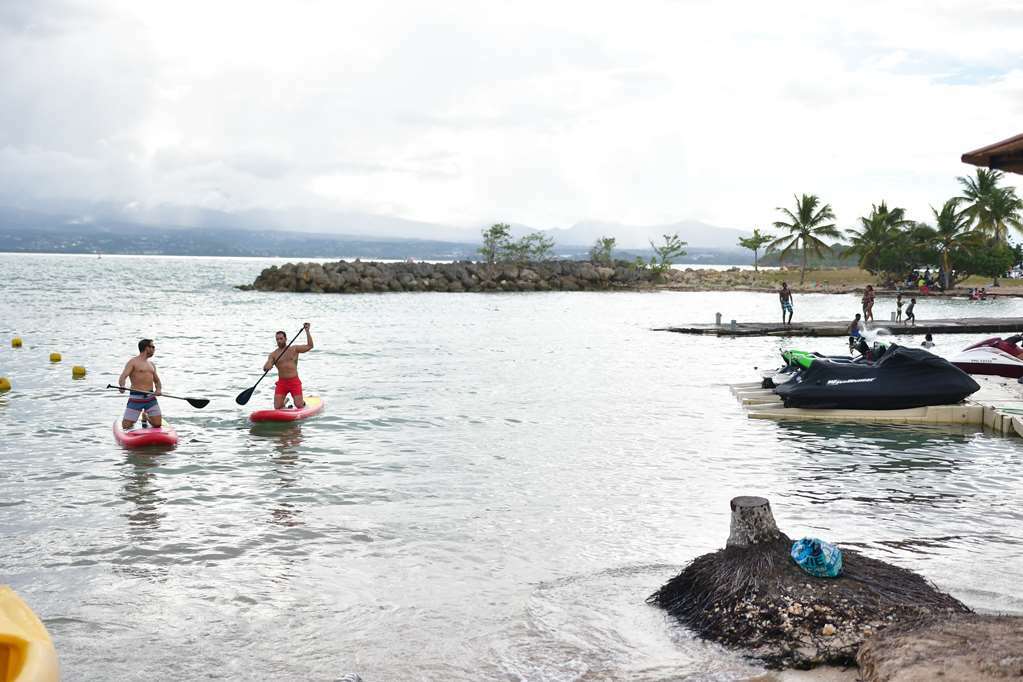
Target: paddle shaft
194, 402
244, 396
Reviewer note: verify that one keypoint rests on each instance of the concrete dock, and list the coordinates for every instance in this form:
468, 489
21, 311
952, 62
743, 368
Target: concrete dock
967, 325
997, 406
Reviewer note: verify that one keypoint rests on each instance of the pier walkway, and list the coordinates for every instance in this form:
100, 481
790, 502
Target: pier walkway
966, 325
997, 406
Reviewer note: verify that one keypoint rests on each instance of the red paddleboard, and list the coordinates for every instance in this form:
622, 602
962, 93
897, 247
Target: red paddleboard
313, 405
137, 438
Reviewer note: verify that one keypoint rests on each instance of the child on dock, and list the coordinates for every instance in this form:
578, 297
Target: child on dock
910, 315
898, 308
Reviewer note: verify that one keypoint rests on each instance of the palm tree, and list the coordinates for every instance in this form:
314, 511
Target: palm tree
977, 193
953, 232
754, 244
1004, 211
806, 227
992, 209
878, 232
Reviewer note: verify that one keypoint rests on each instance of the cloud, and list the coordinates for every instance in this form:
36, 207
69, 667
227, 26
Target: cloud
526, 112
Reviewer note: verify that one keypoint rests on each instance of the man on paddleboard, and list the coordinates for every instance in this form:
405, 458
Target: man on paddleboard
145, 386
287, 368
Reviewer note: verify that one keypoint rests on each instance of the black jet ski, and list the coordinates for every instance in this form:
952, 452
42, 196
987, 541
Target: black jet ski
900, 378
798, 360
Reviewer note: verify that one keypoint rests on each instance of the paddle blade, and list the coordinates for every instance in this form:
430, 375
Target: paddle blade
244, 396
198, 402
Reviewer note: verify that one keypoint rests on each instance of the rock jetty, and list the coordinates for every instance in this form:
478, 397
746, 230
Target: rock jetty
358, 277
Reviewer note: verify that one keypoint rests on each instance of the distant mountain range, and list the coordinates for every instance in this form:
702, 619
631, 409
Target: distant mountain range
170, 230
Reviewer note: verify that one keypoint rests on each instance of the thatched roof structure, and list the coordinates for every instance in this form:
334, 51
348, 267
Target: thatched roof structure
1006, 155
751, 595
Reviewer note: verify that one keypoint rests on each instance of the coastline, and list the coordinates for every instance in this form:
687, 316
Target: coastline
823, 281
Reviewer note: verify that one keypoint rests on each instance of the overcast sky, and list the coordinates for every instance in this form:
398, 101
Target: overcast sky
543, 113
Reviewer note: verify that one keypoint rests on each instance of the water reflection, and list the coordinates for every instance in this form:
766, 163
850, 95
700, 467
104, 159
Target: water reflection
831, 452
875, 481
287, 441
141, 491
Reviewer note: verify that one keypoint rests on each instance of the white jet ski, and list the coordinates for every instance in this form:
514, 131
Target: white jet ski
993, 356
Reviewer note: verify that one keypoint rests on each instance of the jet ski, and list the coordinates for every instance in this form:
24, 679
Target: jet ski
994, 356
797, 360
900, 378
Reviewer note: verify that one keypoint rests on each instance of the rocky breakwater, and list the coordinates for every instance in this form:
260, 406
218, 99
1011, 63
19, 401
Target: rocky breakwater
699, 279
358, 277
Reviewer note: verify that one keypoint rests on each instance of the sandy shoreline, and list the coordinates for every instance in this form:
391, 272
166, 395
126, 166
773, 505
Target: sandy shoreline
835, 281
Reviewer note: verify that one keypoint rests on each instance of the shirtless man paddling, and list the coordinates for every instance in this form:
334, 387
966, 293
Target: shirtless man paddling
287, 368
145, 386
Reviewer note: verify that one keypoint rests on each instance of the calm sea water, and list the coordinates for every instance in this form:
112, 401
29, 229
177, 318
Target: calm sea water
496, 484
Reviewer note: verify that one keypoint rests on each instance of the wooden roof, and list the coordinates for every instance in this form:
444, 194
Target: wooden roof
1006, 155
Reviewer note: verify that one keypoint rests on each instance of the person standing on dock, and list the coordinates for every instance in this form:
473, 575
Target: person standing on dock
868, 303
910, 315
785, 296
898, 308
855, 332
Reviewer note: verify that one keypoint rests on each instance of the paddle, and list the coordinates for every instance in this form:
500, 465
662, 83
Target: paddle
194, 402
244, 396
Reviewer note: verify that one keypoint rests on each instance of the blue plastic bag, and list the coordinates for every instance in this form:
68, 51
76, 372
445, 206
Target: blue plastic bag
818, 558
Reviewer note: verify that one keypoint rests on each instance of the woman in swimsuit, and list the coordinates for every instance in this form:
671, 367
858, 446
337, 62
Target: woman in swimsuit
868, 303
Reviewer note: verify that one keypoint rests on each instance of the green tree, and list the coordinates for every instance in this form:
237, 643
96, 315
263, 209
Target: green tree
1005, 211
1017, 249
880, 231
952, 236
992, 208
992, 260
535, 246
602, 250
754, 243
496, 239
805, 226
666, 253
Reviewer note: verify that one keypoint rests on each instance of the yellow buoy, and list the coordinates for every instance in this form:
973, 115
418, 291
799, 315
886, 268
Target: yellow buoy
77, 371
16, 342
5, 384
54, 357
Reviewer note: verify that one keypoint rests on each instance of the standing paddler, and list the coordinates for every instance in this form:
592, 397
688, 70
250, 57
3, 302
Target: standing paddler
286, 359
145, 386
